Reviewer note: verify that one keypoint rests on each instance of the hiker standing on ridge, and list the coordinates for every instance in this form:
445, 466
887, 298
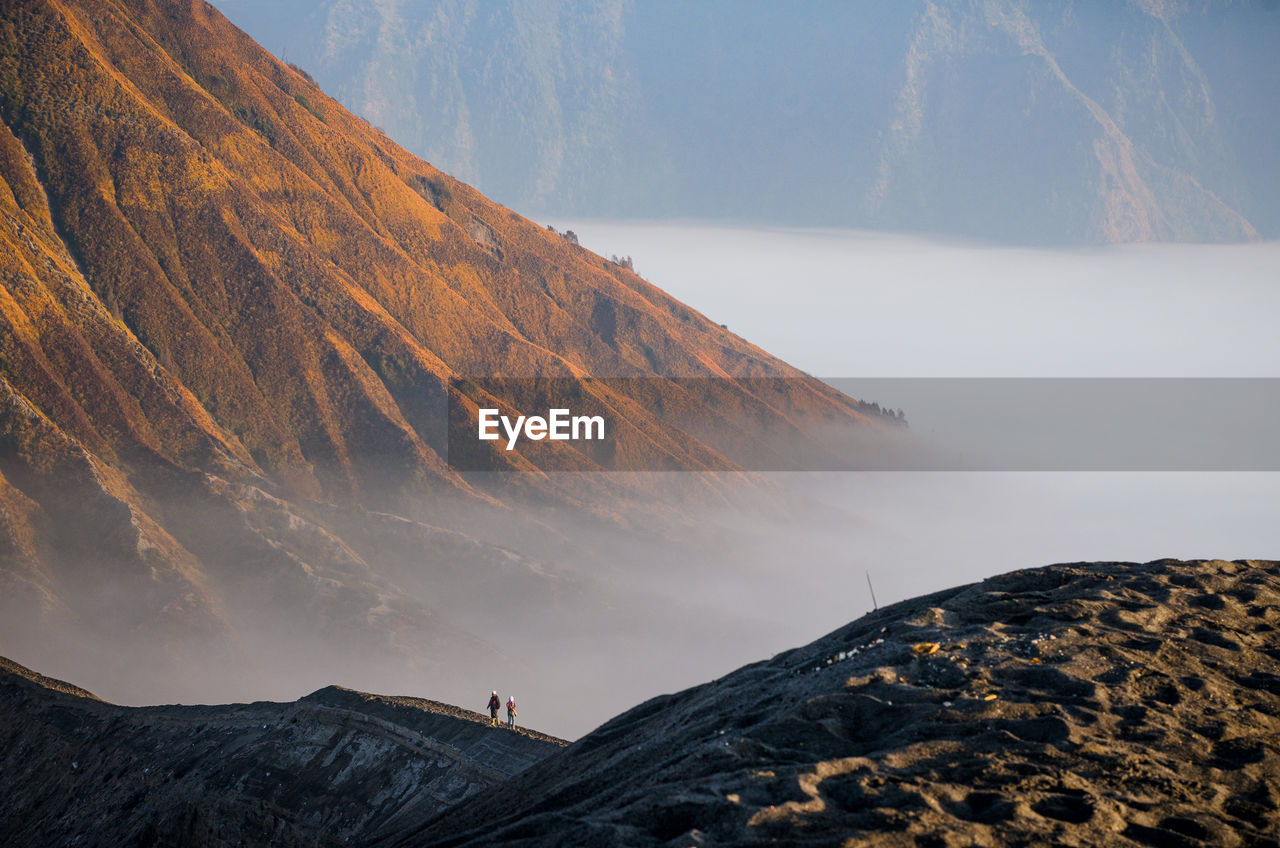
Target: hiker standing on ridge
511, 712
494, 703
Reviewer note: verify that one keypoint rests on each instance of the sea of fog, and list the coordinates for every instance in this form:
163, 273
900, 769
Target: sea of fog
859, 304
866, 305
751, 570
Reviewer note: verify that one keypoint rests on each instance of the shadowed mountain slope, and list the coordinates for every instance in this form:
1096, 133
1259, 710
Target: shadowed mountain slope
235, 321
1081, 704
1133, 120
317, 772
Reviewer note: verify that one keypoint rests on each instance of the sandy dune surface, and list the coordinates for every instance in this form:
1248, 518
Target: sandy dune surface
1082, 704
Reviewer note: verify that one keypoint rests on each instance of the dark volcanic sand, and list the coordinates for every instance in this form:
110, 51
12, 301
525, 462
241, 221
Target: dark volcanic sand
335, 768
1086, 704
1133, 705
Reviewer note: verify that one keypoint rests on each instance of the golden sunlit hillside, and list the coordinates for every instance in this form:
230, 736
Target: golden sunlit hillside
236, 322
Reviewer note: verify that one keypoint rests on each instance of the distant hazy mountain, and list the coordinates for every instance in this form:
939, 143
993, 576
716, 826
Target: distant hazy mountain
1073, 121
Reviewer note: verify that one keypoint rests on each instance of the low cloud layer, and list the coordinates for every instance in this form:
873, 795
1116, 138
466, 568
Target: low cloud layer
857, 304
714, 571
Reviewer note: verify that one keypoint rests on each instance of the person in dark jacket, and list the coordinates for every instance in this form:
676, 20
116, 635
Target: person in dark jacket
494, 703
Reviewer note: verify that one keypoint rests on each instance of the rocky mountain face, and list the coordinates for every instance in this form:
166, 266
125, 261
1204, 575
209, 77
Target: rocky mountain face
334, 766
1067, 122
1083, 704
235, 324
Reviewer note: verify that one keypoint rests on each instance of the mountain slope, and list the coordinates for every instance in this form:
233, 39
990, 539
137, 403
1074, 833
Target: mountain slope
1129, 121
237, 323
332, 766
1083, 704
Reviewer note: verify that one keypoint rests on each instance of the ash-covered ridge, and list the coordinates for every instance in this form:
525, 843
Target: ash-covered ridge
1079, 704
337, 767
